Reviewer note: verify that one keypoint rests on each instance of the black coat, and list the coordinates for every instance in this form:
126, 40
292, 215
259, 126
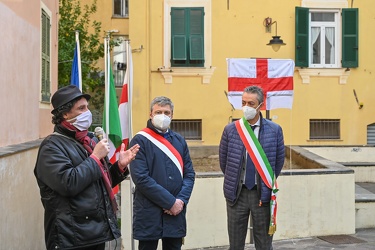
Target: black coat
78, 210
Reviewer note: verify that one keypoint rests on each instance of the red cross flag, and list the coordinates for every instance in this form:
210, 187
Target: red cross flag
274, 76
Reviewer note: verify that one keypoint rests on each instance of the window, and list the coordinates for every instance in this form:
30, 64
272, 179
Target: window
323, 39
46, 60
200, 65
324, 129
189, 129
120, 8
320, 35
371, 134
119, 60
187, 34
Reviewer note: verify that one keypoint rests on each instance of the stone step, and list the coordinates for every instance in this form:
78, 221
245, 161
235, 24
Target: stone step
364, 205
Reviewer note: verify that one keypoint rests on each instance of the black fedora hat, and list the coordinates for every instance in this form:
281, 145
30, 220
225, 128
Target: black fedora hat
66, 94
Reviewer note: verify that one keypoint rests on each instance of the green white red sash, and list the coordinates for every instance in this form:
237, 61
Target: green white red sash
261, 163
165, 146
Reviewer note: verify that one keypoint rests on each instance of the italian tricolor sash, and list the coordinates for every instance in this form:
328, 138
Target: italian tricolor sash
261, 163
165, 146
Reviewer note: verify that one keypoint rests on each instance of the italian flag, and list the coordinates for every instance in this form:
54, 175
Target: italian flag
274, 76
117, 124
111, 119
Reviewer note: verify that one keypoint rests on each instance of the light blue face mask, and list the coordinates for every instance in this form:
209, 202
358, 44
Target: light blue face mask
83, 121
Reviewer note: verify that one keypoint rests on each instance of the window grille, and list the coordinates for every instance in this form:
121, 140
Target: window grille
324, 129
189, 129
371, 134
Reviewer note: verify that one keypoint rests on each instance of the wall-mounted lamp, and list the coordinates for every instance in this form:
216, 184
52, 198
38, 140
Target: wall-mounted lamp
275, 42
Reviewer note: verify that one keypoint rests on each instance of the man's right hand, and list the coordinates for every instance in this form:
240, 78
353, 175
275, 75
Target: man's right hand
101, 149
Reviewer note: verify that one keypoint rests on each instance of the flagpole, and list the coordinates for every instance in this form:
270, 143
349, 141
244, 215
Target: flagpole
129, 68
79, 60
106, 84
76, 74
130, 88
109, 71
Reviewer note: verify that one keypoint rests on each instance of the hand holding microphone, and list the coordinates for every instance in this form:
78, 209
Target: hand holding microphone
101, 149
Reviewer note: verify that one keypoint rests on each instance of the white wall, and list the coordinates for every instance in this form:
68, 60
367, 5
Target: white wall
315, 205
309, 205
21, 216
364, 173
345, 154
364, 215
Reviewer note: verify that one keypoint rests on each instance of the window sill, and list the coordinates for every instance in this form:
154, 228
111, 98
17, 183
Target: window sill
195, 142
342, 73
324, 140
205, 73
120, 17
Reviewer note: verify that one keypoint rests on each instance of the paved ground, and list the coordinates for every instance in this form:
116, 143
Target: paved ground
365, 239
367, 236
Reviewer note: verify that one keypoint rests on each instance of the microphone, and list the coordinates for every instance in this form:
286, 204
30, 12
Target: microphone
99, 132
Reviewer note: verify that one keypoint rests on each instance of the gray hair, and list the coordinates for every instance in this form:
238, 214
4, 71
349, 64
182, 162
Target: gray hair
255, 90
161, 101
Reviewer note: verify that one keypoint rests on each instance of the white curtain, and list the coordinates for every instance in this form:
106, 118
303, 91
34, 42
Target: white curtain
315, 31
330, 35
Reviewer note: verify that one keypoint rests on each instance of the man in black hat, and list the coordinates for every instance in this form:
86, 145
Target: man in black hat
76, 179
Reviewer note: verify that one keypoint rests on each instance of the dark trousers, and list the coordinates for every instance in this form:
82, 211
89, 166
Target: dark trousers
96, 247
168, 244
238, 221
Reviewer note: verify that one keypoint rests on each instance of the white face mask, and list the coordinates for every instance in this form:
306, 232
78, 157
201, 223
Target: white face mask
249, 112
82, 121
161, 121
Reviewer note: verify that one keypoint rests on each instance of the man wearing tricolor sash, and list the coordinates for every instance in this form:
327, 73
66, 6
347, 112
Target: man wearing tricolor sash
251, 155
164, 177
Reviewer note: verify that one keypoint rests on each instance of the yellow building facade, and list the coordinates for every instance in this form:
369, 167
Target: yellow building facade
333, 103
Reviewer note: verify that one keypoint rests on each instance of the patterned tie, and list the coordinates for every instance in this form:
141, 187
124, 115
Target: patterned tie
250, 170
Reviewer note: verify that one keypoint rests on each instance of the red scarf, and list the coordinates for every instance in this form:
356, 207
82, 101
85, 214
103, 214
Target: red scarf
89, 144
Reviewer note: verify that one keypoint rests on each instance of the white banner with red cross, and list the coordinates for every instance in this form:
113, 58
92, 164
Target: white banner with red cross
274, 76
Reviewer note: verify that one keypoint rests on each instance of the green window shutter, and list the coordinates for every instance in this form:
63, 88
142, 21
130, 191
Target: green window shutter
46, 78
178, 30
302, 37
196, 47
179, 47
350, 38
196, 39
